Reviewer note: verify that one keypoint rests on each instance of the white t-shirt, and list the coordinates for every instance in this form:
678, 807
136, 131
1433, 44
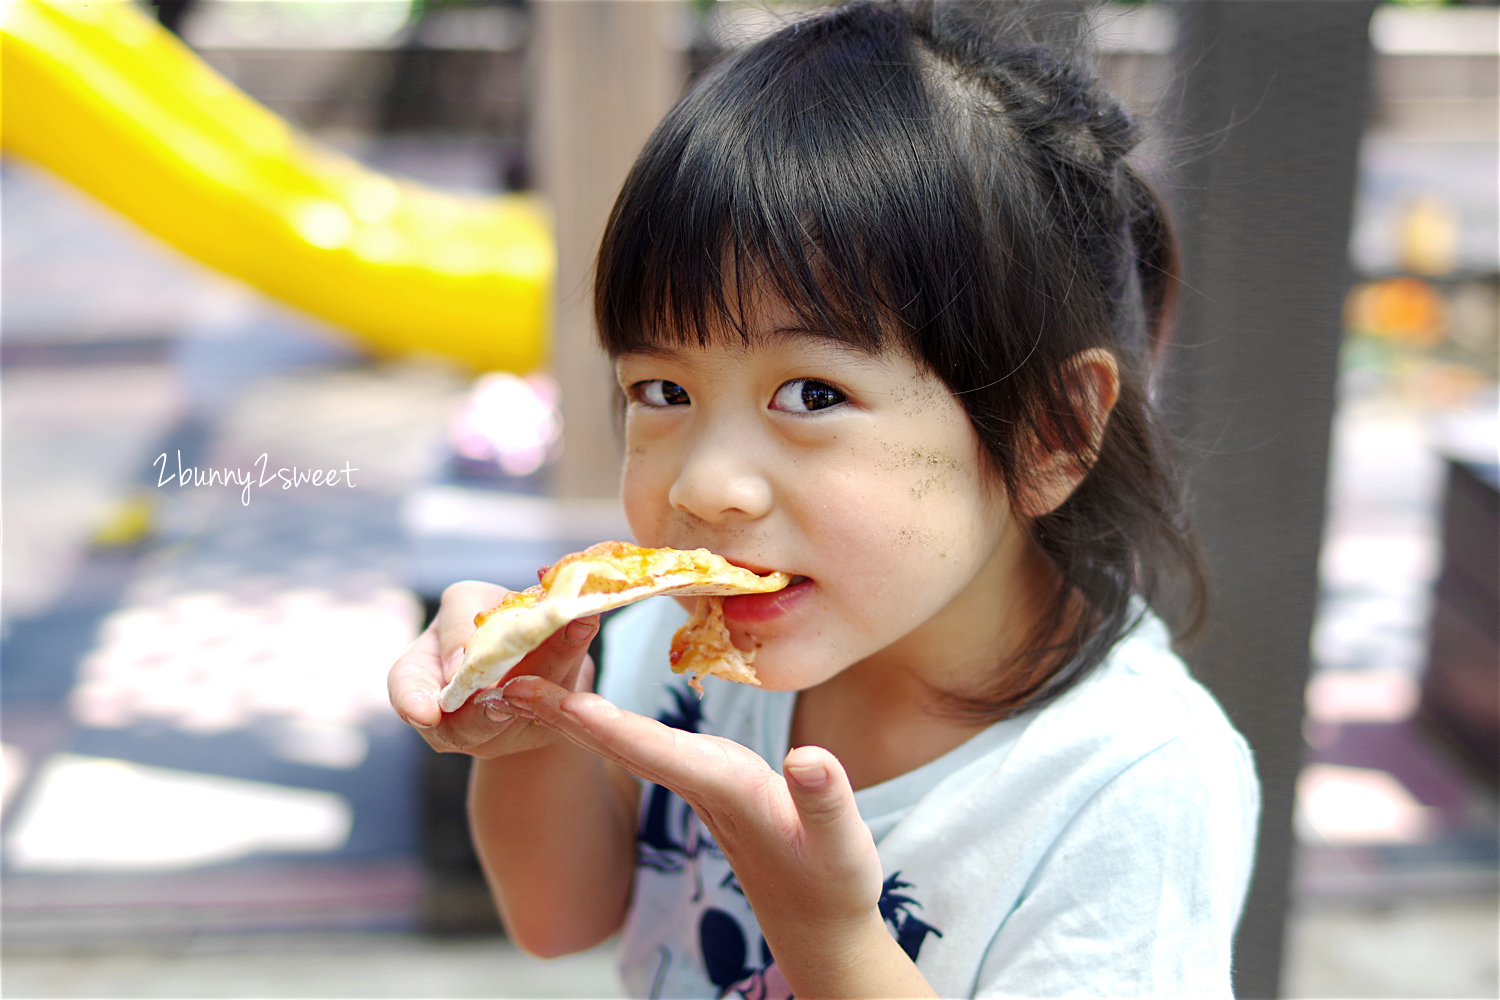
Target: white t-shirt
1101, 846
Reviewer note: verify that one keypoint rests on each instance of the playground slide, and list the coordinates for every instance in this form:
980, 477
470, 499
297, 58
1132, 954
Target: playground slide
98, 93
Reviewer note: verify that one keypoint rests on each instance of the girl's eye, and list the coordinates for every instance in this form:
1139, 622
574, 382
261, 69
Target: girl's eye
804, 395
660, 392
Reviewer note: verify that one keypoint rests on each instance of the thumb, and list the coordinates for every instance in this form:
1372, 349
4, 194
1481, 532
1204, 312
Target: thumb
823, 796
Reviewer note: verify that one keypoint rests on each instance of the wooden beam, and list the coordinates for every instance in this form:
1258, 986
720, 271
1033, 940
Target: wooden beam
605, 73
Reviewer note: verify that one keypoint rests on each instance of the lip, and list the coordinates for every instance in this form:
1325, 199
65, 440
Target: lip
748, 609
755, 568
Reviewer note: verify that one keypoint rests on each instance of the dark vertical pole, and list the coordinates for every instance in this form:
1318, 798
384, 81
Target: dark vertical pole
171, 13
1274, 102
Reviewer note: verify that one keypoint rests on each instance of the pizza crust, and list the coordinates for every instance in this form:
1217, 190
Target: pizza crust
601, 577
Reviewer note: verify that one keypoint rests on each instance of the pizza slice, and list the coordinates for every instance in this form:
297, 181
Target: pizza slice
612, 575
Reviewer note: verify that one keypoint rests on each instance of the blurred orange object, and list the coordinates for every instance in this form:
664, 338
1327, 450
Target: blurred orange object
1404, 310
98, 93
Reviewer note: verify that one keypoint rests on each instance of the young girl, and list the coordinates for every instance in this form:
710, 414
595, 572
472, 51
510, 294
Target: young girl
882, 295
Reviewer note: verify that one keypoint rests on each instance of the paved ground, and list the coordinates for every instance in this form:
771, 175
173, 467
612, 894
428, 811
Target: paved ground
309, 966
1419, 948
1409, 948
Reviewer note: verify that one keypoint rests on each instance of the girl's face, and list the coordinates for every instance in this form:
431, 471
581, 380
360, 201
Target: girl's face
859, 474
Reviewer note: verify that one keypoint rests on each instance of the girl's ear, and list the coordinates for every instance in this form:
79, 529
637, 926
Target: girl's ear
1091, 379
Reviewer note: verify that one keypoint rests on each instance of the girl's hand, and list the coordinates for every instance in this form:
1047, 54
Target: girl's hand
482, 726
802, 854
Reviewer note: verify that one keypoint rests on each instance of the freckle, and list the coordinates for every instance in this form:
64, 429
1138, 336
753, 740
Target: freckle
914, 536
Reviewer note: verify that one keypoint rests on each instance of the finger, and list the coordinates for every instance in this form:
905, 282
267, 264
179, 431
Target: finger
585, 679
471, 727
476, 727
415, 679
455, 619
561, 658
824, 799
693, 765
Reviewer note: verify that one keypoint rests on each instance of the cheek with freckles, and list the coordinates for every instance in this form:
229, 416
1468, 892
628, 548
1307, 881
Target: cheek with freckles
643, 493
885, 561
910, 500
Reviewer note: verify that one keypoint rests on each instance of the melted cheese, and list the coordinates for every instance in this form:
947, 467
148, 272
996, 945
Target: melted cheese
702, 645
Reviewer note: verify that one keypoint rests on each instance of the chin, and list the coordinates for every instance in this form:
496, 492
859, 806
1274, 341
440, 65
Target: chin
784, 669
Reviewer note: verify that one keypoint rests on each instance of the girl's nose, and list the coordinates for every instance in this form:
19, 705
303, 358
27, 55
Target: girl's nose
718, 484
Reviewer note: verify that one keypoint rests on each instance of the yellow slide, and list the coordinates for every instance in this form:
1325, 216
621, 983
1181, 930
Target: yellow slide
98, 93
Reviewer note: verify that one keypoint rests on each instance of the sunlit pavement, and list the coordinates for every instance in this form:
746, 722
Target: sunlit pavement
1412, 948
308, 965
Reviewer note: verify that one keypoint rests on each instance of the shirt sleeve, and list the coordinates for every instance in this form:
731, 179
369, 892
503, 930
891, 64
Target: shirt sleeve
1141, 892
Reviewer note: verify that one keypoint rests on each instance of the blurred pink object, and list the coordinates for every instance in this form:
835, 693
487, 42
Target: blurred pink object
1361, 696
510, 421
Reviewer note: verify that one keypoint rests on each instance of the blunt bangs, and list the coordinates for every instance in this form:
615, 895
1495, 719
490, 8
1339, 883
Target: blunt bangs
811, 167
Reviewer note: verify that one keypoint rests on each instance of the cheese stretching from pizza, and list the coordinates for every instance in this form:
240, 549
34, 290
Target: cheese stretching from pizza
612, 575
702, 645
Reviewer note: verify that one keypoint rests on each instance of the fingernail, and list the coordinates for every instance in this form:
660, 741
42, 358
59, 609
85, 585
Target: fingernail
494, 706
413, 722
515, 706
499, 715
579, 631
812, 777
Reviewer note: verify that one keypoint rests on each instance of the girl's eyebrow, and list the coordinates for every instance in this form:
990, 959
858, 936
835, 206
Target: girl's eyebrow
650, 351
816, 340
820, 338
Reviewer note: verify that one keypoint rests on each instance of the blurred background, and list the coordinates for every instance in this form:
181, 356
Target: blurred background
205, 792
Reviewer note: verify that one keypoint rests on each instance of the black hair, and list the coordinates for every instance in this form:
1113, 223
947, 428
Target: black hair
909, 175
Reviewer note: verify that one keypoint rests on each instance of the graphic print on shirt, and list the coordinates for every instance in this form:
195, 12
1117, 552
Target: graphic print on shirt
896, 911
673, 842
670, 834
726, 960
722, 942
